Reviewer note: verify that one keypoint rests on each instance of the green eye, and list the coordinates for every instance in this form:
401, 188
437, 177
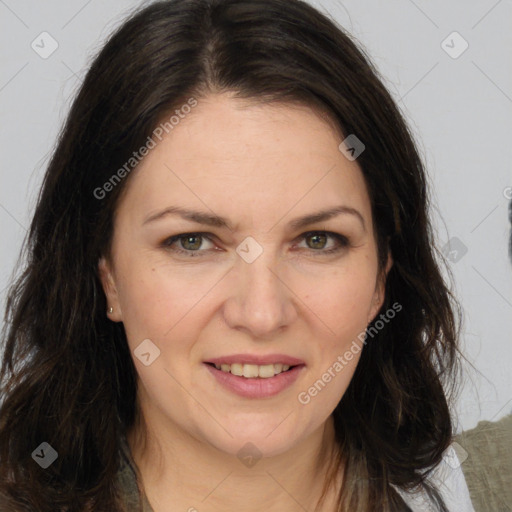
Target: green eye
188, 241
320, 240
190, 244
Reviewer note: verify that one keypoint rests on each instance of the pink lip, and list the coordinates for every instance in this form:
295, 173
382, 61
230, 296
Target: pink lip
257, 387
255, 359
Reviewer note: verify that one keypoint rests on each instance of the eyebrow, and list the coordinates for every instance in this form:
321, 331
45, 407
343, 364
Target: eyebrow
217, 221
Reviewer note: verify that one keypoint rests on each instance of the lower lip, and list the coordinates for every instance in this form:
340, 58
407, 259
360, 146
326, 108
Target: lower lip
257, 387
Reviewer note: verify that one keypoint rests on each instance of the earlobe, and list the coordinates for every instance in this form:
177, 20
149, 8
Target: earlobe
378, 300
108, 283
380, 290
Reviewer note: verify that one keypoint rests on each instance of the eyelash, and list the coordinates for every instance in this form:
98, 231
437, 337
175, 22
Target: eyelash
341, 240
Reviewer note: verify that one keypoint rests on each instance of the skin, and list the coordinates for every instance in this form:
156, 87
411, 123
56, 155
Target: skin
260, 166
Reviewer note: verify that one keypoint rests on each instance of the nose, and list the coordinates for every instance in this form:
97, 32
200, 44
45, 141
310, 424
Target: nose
260, 302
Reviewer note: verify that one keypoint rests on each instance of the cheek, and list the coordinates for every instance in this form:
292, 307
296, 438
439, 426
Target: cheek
152, 302
166, 304
343, 300
160, 300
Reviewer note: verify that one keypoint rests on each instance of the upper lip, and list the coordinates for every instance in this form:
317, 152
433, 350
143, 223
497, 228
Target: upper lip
256, 359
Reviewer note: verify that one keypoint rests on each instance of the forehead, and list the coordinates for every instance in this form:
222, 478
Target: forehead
248, 160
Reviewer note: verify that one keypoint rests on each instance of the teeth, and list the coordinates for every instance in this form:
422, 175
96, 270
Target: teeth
237, 369
251, 371
265, 371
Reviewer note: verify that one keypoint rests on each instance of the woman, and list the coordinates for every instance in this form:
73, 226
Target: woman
231, 283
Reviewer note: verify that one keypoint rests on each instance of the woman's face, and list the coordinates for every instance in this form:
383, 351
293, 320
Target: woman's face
261, 290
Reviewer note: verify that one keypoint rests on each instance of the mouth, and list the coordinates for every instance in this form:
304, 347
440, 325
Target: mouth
254, 371
252, 376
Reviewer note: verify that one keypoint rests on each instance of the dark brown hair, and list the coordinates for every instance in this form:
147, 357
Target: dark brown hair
67, 377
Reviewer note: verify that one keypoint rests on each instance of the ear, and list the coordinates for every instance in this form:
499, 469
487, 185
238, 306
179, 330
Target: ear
109, 287
380, 290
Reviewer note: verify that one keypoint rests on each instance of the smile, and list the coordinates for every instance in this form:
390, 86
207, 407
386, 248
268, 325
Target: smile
254, 381
253, 371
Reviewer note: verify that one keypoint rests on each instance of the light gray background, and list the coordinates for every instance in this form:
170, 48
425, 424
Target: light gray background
460, 110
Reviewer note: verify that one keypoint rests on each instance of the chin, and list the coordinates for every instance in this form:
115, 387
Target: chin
265, 439
253, 447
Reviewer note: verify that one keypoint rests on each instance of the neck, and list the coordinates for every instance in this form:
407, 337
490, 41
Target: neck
177, 468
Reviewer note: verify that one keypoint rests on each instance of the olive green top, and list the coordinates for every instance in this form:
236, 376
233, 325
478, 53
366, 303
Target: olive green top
488, 466
127, 482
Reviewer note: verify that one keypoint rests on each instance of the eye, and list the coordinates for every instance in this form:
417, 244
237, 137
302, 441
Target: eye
189, 242
320, 238
192, 244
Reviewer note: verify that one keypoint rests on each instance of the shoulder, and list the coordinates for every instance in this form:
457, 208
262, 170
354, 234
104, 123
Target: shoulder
447, 477
487, 467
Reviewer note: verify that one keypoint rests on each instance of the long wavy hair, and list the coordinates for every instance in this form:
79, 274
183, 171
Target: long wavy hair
67, 375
